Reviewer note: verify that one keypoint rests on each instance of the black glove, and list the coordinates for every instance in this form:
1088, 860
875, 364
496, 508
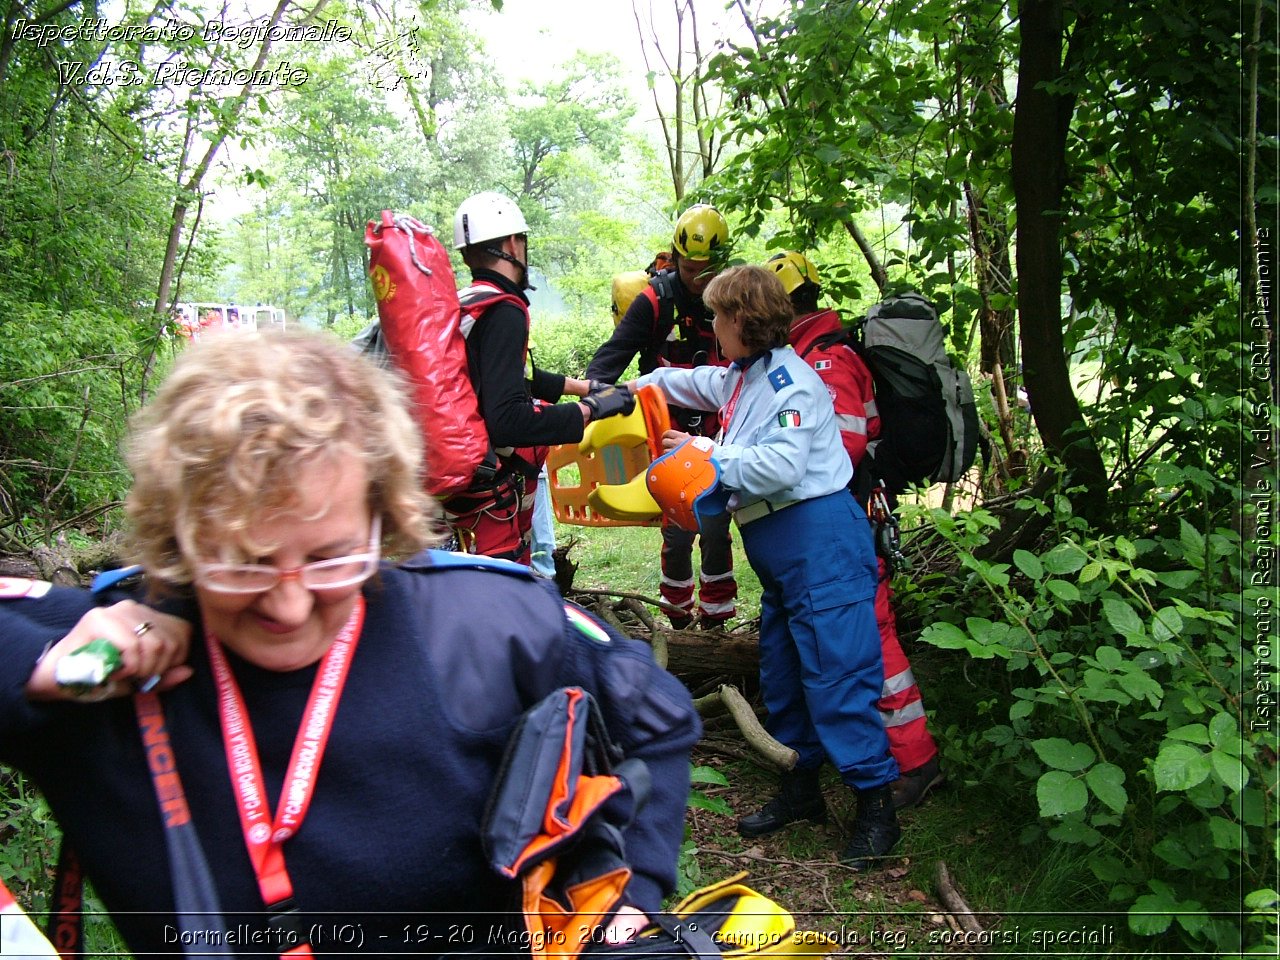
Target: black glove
609, 401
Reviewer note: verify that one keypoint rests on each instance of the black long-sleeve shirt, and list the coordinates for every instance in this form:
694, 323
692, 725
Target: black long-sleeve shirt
641, 331
496, 349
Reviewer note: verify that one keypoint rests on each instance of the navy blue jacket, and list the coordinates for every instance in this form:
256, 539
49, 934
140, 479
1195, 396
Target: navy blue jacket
450, 656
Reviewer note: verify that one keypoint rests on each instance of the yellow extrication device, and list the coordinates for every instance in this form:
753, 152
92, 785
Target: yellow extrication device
610, 462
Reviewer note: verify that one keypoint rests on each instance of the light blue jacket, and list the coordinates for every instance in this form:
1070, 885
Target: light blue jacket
781, 442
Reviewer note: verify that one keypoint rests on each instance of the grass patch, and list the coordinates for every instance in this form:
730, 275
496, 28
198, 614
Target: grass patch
629, 559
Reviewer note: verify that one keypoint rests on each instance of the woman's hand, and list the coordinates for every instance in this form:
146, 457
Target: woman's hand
672, 439
151, 645
624, 926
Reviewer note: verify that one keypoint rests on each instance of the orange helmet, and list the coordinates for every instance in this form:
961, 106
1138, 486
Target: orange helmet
685, 483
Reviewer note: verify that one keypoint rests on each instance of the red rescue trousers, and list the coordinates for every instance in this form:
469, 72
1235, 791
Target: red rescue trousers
717, 588
498, 523
900, 704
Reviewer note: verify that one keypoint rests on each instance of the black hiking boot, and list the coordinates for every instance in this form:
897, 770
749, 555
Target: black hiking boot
875, 829
799, 799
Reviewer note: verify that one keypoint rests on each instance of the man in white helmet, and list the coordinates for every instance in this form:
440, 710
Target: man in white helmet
517, 401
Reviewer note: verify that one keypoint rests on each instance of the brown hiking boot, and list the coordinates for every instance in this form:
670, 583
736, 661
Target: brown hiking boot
910, 788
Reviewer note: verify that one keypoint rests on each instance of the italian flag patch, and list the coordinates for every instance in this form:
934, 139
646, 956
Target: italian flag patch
585, 625
789, 418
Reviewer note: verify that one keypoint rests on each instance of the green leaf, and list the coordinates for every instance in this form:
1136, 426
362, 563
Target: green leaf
714, 804
1191, 733
1106, 780
1180, 766
1230, 770
701, 774
1226, 834
1262, 900
1063, 754
945, 635
1178, 579
1152, 913
1059, 794
1109, 657
1192, 540
1138, 685
1166, 625
1121, 616
1108, 869
1173, 851
1064, 558
1224, 733
1021, 709
1063, 590
1029, 564
1091, 571
1076, 831
829, 154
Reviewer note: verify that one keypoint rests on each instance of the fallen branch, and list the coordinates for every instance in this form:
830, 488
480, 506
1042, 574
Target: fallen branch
781, 757
955, 903
624, 595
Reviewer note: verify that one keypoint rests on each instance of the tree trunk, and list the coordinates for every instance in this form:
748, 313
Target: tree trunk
186, 191
878, 273
1040, 123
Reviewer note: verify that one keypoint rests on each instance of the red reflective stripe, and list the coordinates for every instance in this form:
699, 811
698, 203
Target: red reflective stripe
264, 835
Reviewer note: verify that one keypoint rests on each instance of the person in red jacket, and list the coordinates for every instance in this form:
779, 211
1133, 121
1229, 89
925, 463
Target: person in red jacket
816, 336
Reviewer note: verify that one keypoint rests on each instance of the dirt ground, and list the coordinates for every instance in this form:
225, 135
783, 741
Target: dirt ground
892, 911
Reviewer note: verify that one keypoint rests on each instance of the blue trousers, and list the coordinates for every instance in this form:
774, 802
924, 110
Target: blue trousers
820, 665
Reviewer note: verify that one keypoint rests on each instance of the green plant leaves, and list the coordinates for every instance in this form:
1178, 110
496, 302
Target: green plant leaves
1059, 793
1180, 766
1122, 617
1029, 564
1106, 780
1064, 755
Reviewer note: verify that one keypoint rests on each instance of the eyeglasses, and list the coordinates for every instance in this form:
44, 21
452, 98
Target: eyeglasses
321, 575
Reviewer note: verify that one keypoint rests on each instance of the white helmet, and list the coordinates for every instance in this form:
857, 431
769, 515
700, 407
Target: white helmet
486, 216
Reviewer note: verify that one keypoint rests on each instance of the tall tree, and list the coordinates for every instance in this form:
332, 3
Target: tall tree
1042, 121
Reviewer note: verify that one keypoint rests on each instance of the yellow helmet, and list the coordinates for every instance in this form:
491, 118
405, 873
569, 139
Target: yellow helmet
793, 269
701, 233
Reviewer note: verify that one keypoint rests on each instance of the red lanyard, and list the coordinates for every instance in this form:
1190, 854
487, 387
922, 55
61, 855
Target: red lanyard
726, 412
264, 836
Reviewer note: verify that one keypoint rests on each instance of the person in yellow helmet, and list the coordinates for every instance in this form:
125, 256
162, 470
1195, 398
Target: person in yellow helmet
668, 325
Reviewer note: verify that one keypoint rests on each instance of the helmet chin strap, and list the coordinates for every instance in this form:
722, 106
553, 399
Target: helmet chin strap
524, 267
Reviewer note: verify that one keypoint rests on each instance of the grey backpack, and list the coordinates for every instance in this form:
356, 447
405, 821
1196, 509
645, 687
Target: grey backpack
928, 417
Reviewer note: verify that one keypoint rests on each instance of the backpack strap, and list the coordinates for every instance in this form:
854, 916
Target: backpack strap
828, 340
662, 285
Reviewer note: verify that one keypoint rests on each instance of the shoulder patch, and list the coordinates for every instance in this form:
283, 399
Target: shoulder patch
780, 378
585, 625
110, 578
448, 560
789, 418
20, 588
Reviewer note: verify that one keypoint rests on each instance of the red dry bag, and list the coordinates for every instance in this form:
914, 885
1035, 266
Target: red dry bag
420, 318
